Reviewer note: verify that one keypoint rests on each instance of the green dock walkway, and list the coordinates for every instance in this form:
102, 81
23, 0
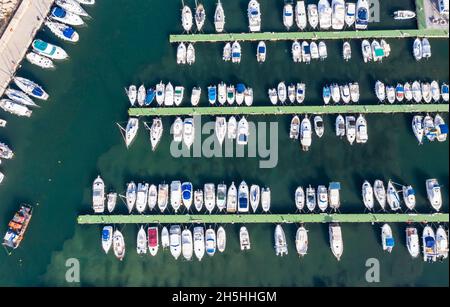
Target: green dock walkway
279, 110
263, 218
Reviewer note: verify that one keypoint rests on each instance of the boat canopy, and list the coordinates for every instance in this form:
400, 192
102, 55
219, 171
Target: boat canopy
37, 91
59, 12
390, 242
429, 242
410, 192
261, 49
68, 32
362, 15
335, 186
443, 129
242, 202
105, 234
379, 52
240, 88
186, 194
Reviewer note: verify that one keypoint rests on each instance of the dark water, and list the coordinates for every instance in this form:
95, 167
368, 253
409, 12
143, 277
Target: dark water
73, 137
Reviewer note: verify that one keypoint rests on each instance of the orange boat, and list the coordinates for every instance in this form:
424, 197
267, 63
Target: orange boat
17, 227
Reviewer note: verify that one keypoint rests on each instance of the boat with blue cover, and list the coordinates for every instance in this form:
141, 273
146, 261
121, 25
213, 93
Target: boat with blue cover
150, 96
72, 6
49, 50
387, 239
69, 18
63, 31
186, 194
212, 94
30, 88
326, 94
362, 14
107, 238
236, 52
240, 90
243, 197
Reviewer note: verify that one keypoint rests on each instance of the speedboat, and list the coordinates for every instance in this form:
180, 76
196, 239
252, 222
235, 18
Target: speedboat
219, 18
336, 242
417, 91
305, 134
222, 93
221, 129
175, 241
186, 194
64, 16
111, 201
72, 6
387, 239
254, 196
141, 242
244, 238
163, 196
340, 126
242, 132
195, 96
5, 152
426, 92
210, 196
313, 15
199, 242
186, 18
386, 47
49, 50
444, 92
417, 49
314, 49
392, 197
177, 130
361, 130
243, 197
299, 198
345, 93
301, 241
265, 199
408, 91
338, 14
188, 132
20, 97
232, 199
181, 53
310, 198
417, 126
118, 245
441, 128
175, 195
323, 53
366, 51
334, 197
435, 94
210, 238
295, 128
291, 92
350, 129
409, 197
318, 126
390, 94
354, 91
441, 243
346, 51
248, 96
178, 95
149, 96
380, 193
350, 13
232, 128
187, 245
198, 200
141, 94
141, 197
273, 96
132, 94
231, 94
377, 51
254, 16
261, 52
280, 241
131, 130
160, 93
404, 14
221, 239
227, 52
306, 52
31, 88
168, 95
236, 52
165, 238
325, 14
107, 238
221, 199
300, 15
362, 15
335, 93
428, 128
399, 92
156, 131
39, 60
152, 197
300, 92
200, 16
153, 240
63, 31
412, 241
429, 244
131, 196
296, 52
212, 94
288, 15
426, 48
240, 93
434, 193
322, 198
367, 195
326, 94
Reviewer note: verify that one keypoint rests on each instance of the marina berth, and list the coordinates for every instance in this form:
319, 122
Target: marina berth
131, 131
392, 197
132, 94
156, 131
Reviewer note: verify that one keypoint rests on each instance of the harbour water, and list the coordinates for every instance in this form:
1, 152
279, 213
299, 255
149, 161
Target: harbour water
73, 138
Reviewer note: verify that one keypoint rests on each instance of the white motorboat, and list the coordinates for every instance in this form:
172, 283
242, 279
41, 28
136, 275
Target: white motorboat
325, 14
236, 52
390, 94
181, 53
186, 194
367, 195
417, 49
336, 241
416, 91
221, 199
221, 239
265, 199
232, 128
280, 241
152, 199
254, 196
288, 15
210, 239
429, 129
306, 52
350, 129
188, 132
408, 91
429, 244
254, 16
98, 195
118, 245
198, 200
417, 126
160, 93
232, 199
199, 242
336, 93
346, 51
248, 96
231, 94
175, 195
153, 240
210, 196
243, 132
409, 197
156, 131
334, 197
141, 242
177, 130
354, 91
291, 92
31, 88
426, 48
412, 241
273, 96
441, 128
63, 31
111, 201
300, 15
168, 95
195, 96
39, 60
219, 18
72, 6
301, 241
300, 198
338, 14
226, 52
186, 18
404, 14
340, 126
141, 197
282, 92
243, 197
240, 93
350, 13
361, 130
314, 49
318, 126
313, 15
434, 193
305, 134
380, 91
441, 243
49, 50
300, 92
323, 53
392, 197
261, 52
244, 238
163, 196
220, 129
175, 241
222, 93
435, 93
345, 93
295, 128
20, 97
387, 239
165, 238
426, 92
131, 196
380, 193
200, 16
64, 16
107, 238
190, 54
322, 198
366, 51
362, 14
296, 52
187, 245
310, 198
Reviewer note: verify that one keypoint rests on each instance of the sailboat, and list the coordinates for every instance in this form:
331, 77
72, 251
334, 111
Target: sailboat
243, 132
63, 31
313, 15
380, 193
220, 129
175, 241
152, 199
232, 128
156, 131
198, 200
107, 238
59, 14
186, 18
280, 241
409, 197
362, 15
141, 242
210, 196
305, 134
254, 196
301, 241
111, 201
98, 195
188, 132
265, 199
221, 239
200, 16
175, 195
417, 126
186, 194
187, 245
254, 16
149, 96
163, 196
434, 193
132, 94
219, 18
392, 197
31, 88
367, 195
243, 197
226, 52
153, 240
310, 198
221, 200
288, 15
338, 14
322, 198
20, 97
118, 245
336, 241
412, 241
387, 239
244, 238
131, 130
199, 242
131, 196
72, 6
211, 243
300, 198
141, 197
300, 15
232, 199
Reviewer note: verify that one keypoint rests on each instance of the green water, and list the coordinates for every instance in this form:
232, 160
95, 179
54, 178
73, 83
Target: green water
73, 138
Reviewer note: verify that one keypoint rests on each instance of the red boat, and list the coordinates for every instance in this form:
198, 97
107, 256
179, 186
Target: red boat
153, 241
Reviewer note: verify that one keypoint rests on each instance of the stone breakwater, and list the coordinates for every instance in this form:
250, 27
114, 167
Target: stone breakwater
6, 8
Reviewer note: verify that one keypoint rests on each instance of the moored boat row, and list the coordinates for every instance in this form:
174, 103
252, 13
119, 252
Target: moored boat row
425, 128
293, 93
324, 198
415, 91
346, 93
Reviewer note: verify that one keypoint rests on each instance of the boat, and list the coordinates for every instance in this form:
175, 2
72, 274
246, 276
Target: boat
428, 128
188, 132
244, 238
156, 131
39, 60
152, 199
265, 199
130, 196
322, 198
98, 195
232, 128
141, 94
3, 123
325, 14
434, 193
190, 54
305, 134
416, 91
306, 52
444, 92
248, 96
301, 241
163, 196
72, 6
295, 128
387, 239
165, 238
346, 51
69, 18
336, 242
153, 240
338, 14
231, 94
131, 130
362, 15
236, 52
141, 242
409, 197
367, 195
273, 96
288, 15
242, 132
386, 47
310, 198
221, 129
15, 108
350, 129
390, 94
243, 197
429, 244
240, 93
404, 15
118, 245
254, 196
149, 96
17, 227
417, 49
314, 49
175, 241
19, 97
186, 18
181, 53
186, 194
350, 13
426, 48
169, 95
221, 200
49, 50
296, 52
300, 92
261, 52
227, 52
232, 199
107, 238
221, 239
280, 241
219, 18
187, 245
326, 94
340, 126
441, 243
380, 193
323, 53
291, 92
132, 94
441, 128
210, 238
399, 92
160, 93
254, 16
334, 197
111, 201
63, 31
318, 126
212, 94
412, 241
361, 130
392, 197
377, 51
198, 200
435, 94
195, 96
313, 15
417, 126
426, 92
300, 15
5, 152
200, 16
31, 88
175, 195
354, 91
345, 93
210, 196
300, 198
335, 93
177, 130
366, 51
408, 91
199, 242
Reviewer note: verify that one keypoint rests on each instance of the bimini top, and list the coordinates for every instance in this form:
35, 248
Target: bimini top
59, 12
105, 234
362, 14
390, 242
443, 128
68, 32
429, 242
335, 185
240, 88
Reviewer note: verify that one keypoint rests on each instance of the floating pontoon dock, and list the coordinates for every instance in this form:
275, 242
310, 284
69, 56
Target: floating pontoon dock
279, 110
263, 218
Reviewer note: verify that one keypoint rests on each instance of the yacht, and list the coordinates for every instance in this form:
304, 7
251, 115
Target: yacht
186, 18
318, 126
390, 94
212, 94
231, 94
175, 241
141, 197
409, 197
295, 128
198, 200
107, 238
178, 95
160, 93
64, 16
199, 242
265, 199
441, 127
306, 52
156, 131
163, 196
31, 88
195, 96
336, 242
387, 239
362, 14
152, 199
222, 93
111, 201
226, 52
435, 94
367, 195
261, 52
242, 132
177, 130
181, 53
254, 196
412, 241
175, 195
232, 199
232, 128
380, 193
153, 240
296, 52
221, 239
254, 16
280, 241
314, 49
236, 52
408, 91
300, 198
322, 198
392, 197
168, 95
188, 132
345, 93
49, 50
323, 53
98, 195
131, 196
310, 198
186, 194
361, 130
221, 199
210, 239
300, 15
417, 126
63, 31
219, 18
300, 92
350, 14
72, 6
210, 196
338, 14
118, 245
441, 243
350, 129
325, 14
288, 15
291, 92
334, 195
39, 60
200, 16
429, 244
366, 51
187, 244
354, 91
131, 130
19, 97
243, 197
221, 129
404, 14
346, 51
244, 238
340, 126
141, 242
416, 91
426, 48
434, 193
305, 134
417, 49
313, 15
301, 241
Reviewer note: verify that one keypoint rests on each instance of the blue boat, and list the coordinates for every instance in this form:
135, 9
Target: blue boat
243, 197
362, 15
326, 94
150, 96
212, 94
186, 194
240, 88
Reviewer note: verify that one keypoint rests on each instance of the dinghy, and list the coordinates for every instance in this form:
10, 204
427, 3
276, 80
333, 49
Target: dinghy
367, 195
412, 241
153, 240
232, 199
187, 244
299, 198
301, 241
175, 241
141, 242
107, 238
199, 242
244, 238
387, 239
221, 239
118, 245
280, 241
254, 196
